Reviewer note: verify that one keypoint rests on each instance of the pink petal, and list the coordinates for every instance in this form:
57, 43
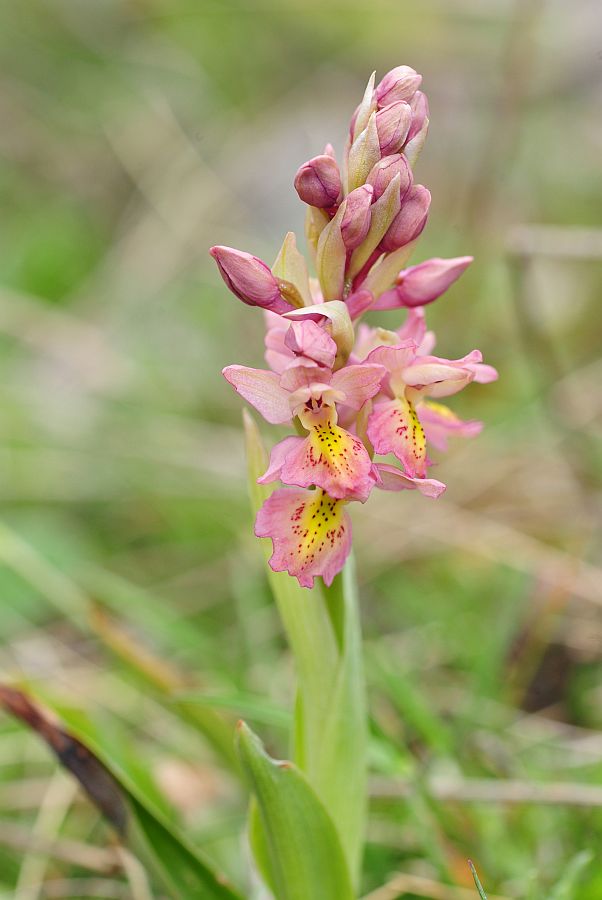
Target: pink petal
393, 479
310, 532
394, 427
436, 377
262, 390
309, 340
277, 355
305, 374
278, 457
330, 458
414, 327
396, 359
358, 383
440, 423
483, 374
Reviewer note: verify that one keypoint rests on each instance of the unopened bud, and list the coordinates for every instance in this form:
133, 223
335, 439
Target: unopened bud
249, 279
400, 83
356, 216
419, 127
318, 182
410, 220
425, 282
392, 124
420, 111
385, 171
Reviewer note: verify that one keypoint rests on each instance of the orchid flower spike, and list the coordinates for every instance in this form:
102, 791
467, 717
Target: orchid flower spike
357, 395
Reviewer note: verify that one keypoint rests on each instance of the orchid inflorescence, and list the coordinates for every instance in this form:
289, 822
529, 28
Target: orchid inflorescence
354, 392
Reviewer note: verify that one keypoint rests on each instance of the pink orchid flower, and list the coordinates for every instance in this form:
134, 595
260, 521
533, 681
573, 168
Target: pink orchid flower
329, 456
363, 220
395, 424
311, 530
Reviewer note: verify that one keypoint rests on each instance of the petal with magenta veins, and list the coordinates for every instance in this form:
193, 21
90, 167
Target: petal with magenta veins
440, 423
358, 383
393, 479
262, 390
329, 457
310, 533
394, 427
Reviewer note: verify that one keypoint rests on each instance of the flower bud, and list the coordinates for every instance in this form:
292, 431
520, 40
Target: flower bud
419, 127
249, 279
385, 171
398, 84
356, 216
318, 182
410, 220
420, 110
392, 124
425, 282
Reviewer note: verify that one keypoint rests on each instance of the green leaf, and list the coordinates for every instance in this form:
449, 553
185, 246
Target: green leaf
179, 865
306, 860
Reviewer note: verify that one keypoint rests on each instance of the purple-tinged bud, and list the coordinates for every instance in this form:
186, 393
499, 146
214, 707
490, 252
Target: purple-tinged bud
329, 151
385, 171
410, 220
318, 182
419, 127
425, 282
420, 111
392, 124
249, 279
356, 217
400, 83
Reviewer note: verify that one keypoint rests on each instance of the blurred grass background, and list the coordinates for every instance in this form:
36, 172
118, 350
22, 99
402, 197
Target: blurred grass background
135, 135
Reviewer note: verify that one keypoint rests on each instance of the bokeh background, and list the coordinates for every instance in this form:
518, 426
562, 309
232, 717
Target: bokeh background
133, 135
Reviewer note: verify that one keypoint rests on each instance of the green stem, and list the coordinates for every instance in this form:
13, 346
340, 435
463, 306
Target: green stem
323, 630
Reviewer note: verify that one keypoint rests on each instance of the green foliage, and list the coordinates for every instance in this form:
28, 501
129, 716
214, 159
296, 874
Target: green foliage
299, 846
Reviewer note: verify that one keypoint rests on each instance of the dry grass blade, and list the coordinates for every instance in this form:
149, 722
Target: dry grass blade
97, 859
54, 807
423, 887
489, 790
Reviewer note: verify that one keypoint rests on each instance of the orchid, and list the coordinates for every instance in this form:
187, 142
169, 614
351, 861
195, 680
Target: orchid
354, 393
363, 407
